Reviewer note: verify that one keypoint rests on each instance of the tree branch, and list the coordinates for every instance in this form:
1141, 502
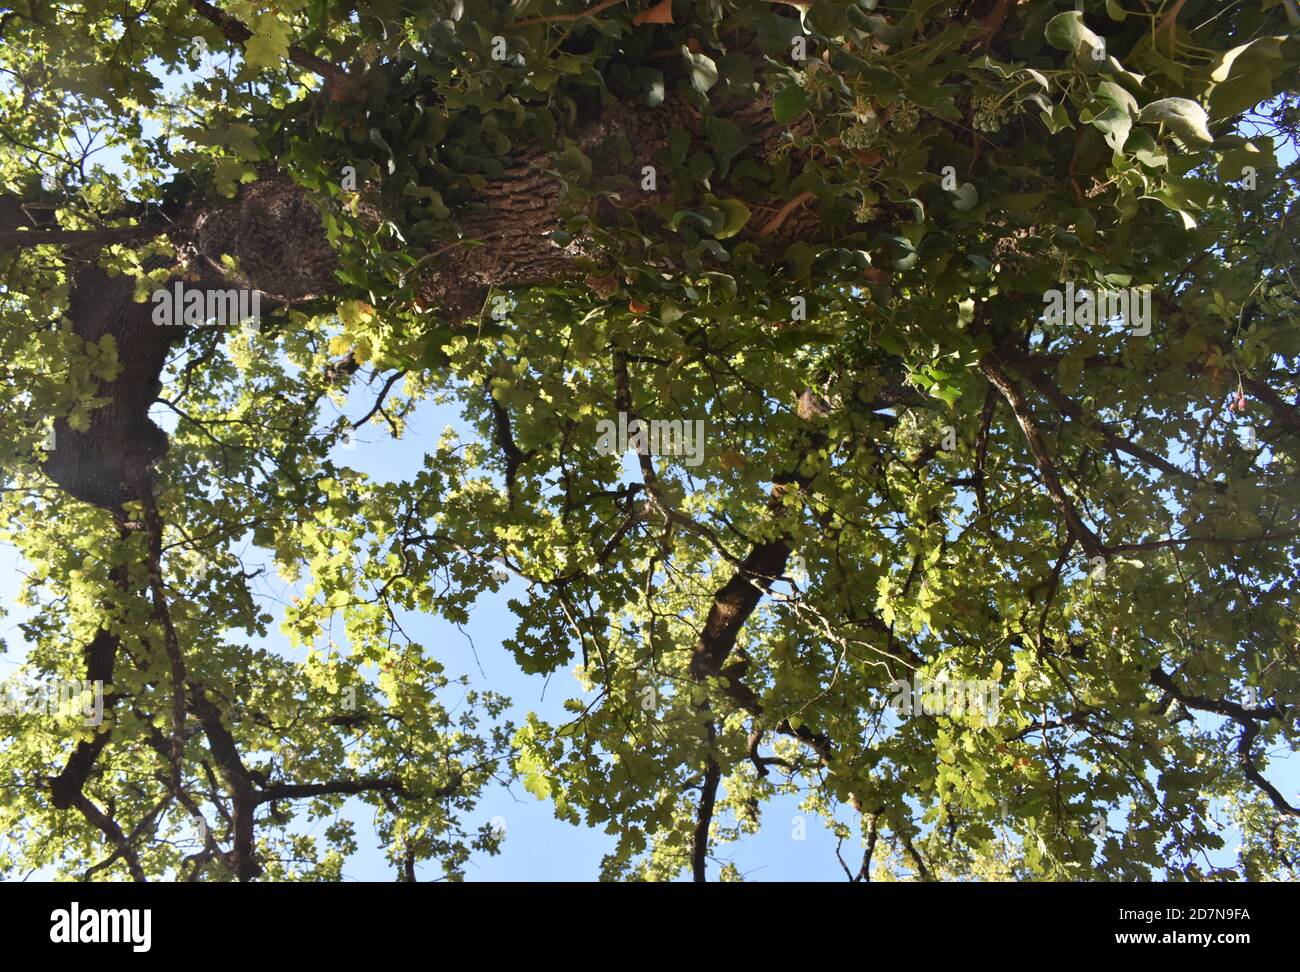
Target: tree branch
1048, 388
1090, 542
237, 32
703, 818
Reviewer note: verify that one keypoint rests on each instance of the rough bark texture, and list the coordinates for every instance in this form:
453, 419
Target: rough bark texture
103, 464
273, 232
514, 215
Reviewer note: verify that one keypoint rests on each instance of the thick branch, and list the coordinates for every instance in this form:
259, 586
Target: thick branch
244, 797
703, 818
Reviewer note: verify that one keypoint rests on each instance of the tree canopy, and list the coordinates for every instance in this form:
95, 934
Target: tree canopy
966, 332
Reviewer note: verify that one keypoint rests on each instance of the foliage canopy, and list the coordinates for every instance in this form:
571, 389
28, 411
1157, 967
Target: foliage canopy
829, 231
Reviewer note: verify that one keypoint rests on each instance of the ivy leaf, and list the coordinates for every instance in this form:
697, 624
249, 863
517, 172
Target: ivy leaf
964, 197
736, 214
904, 251
1186, 118
1057, 119
704, 73
378, 141
789, 103
1067, 32
1246, 76
726, 141
802, 256
651, 81
1115, 124
948, 394
709, 218
1243, 91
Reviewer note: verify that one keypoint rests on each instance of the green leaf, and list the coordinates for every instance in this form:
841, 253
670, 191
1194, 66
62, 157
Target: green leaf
1185, 117
1115, 124
708, 218
1264, 50
737, 70
1057, 119
736, 215
1169, 197
535, 778
904, 251
572, 165
704, 73
1243, 91
1116, 96
726, 141
948, 394
1020, 202
651, 81
670, 312
1247, 76
802, 256
789, 103
1067, 32
964, 197
268, 47
378, 140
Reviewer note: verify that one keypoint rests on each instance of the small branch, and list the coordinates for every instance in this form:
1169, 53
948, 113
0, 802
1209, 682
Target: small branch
242, 792
1255, 776
113, 832
21, 239
1053, 584
1238, 713
567, 18
1091, 543
1177, 541
238, 32
921, 869
1121, 443
1074, 719
774, 224
873, 834
761, 763
1248, 719
1286, 413
299, 791
379, 402
982, 449
162, 614
503, 433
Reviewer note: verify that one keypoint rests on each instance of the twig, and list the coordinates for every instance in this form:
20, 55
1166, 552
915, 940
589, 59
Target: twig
775, 222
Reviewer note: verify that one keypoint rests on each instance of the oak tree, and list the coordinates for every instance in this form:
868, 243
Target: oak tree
986, 308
